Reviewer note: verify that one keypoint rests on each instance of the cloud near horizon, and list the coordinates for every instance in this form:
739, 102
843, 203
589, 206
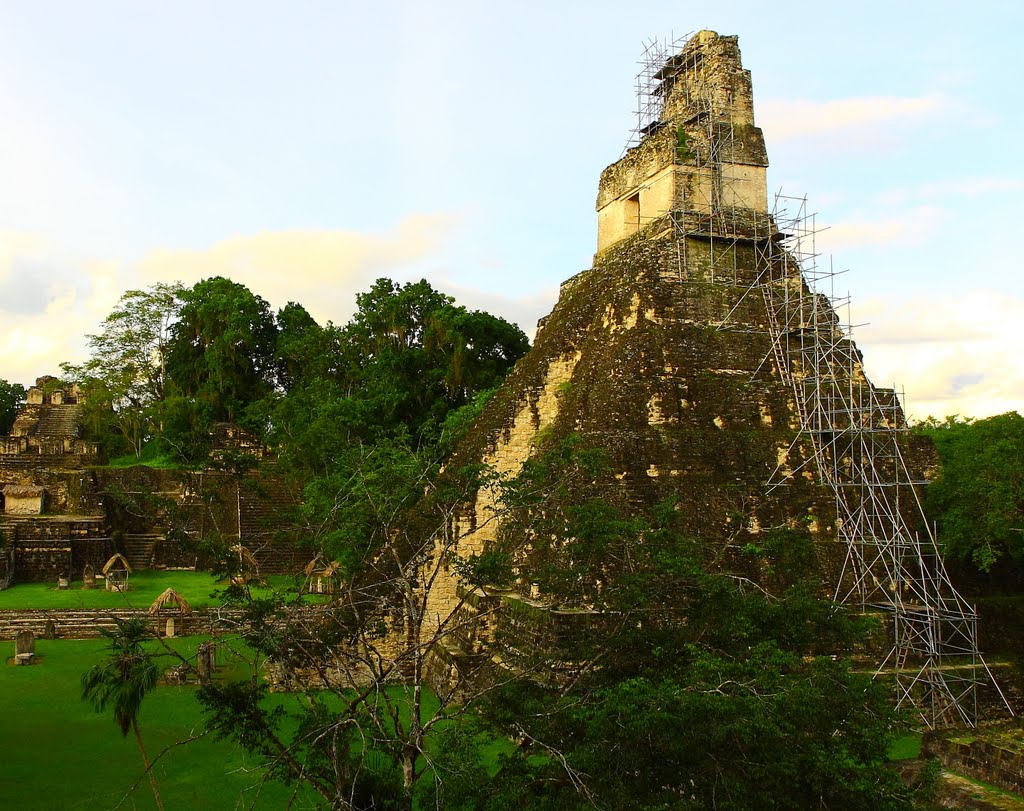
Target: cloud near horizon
321, 269
854, 121
950, 354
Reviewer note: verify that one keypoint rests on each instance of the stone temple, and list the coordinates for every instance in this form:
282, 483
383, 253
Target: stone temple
698, 355
62, 514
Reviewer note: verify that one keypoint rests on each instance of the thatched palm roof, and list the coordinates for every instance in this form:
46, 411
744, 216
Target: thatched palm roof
245, 556
317, 567
22, 490
115, 559
170, 598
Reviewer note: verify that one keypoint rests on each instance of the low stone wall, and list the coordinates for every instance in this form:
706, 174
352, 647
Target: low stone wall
42, 561
86, 623
976, 756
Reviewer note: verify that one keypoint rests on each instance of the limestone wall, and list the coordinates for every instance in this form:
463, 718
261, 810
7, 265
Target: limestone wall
990, 760
42, 561
709, 66
703, 155
23, 503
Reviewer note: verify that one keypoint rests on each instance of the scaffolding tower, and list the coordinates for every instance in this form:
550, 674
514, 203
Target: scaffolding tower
856, 432
859, 435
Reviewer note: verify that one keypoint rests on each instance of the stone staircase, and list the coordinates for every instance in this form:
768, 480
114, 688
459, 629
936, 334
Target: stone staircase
58, 421
139, 550
264, 512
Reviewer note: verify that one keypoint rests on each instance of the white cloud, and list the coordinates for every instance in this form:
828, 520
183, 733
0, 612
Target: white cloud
947, 190
909, 227
953, 354
857, 121
323, 270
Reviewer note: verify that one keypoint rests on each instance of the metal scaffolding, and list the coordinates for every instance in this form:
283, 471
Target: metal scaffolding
856, 432
650, 98
859, 438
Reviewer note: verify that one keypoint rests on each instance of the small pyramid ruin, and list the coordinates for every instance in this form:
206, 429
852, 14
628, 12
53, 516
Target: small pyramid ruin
700, 358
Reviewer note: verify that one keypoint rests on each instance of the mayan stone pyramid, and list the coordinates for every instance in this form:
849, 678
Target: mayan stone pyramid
697, 356
659, 355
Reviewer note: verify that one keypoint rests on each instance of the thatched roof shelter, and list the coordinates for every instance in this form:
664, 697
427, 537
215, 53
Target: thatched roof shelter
317, 567
117, 562
23, 490
170, 600
245, 557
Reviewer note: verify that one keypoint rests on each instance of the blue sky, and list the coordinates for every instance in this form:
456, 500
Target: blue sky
307, 148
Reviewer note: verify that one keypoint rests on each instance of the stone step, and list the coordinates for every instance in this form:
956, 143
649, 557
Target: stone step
58, 421
139, 549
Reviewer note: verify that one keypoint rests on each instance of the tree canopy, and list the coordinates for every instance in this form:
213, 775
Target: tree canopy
221, 352
12, 397
977, 498
169, 361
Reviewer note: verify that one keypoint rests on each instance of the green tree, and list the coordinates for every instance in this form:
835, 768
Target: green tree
123, 681
670, 677
303, 350
409, 359
659, 682
12, 398
419, 355
977, 498
358, 733
221, 351
124, 379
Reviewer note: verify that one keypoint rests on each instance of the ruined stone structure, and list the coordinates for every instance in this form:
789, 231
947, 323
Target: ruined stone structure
697, 355
650, 357
702, 155
50, 512
62, 515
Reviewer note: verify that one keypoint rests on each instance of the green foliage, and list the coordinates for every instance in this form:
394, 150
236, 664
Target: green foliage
683, 152
411, 366
126, 677
977, 499
693, 687
413, 343
124, 680
354, 509
12, 398
125, 375
221, 352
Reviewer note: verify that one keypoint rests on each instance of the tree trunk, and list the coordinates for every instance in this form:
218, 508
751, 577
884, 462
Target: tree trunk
149, 768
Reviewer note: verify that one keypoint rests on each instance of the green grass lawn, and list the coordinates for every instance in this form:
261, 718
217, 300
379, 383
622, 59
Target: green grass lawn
905, 747
58, 753
157, 462
144, 587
